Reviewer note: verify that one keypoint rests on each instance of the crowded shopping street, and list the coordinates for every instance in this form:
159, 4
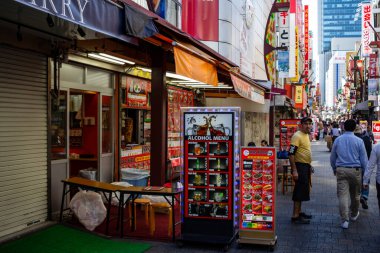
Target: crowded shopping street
189, 126
324, 233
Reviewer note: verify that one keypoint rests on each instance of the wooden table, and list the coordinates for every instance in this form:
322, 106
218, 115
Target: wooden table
135, 191
106, 189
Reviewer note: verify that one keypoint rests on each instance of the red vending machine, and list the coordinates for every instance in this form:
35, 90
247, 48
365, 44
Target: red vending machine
257, 223
211, 160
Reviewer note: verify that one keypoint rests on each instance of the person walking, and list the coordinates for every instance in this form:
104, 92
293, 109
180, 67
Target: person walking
364, 135
300, 162
374, 160
335, 131
264, 143
348, 157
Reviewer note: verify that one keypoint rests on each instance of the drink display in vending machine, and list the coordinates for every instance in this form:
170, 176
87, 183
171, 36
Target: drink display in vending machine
210, 142
258, 195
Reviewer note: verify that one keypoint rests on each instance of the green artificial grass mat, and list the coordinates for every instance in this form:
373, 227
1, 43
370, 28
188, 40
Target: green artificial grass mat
62, 239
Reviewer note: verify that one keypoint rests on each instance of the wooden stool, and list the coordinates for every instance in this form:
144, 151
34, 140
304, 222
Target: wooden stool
144, 203
152, 227
287, 178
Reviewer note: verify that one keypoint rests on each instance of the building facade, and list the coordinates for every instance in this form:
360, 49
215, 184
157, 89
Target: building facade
338, 19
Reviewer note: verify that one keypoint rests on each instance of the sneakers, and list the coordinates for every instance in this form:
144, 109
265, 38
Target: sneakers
364, 203
345, 224
306, 216
354, 218
300, 220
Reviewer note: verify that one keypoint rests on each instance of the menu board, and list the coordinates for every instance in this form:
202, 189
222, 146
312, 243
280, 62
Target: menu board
257, 188
137, 93
287, 128
208, 152
177, 98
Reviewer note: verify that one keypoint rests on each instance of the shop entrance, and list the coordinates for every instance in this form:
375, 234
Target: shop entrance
82, 136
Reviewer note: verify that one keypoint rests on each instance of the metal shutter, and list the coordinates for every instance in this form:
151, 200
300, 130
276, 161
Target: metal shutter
23, 139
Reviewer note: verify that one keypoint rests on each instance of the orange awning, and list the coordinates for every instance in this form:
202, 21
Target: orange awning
194, 67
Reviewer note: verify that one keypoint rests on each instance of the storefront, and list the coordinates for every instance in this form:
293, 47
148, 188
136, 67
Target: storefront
70, 105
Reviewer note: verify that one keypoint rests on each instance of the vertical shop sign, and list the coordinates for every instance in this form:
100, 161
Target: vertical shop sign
367, 33
306, 36
292, 38
283, 56
373, 89
376, 130
258, 175
298, 94
373, 68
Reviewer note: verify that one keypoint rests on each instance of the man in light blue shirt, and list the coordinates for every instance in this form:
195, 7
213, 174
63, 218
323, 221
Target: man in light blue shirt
348, 158
374, 160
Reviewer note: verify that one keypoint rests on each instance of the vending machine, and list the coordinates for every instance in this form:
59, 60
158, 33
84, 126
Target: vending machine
211, 160
257, 223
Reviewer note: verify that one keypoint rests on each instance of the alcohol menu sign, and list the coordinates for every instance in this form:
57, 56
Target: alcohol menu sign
208, 149
257, 188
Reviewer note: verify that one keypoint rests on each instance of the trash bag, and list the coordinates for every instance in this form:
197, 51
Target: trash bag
116, 195
89, 208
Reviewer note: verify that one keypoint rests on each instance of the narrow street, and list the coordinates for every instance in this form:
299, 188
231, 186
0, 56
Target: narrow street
324, 233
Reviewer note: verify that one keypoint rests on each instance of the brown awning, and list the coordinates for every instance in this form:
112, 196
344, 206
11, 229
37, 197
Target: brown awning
246, 90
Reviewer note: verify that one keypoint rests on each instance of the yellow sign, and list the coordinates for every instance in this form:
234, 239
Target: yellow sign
296, 78
298, 95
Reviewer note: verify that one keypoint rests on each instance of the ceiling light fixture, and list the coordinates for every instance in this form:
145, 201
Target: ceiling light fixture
110, 58
117, 58
172, 75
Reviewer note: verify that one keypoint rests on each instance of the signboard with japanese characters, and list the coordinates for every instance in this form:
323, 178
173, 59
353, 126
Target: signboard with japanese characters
283, 40
306, 40
367, 33
373, 68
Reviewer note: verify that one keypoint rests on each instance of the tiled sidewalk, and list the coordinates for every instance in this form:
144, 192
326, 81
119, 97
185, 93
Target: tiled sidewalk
324, 233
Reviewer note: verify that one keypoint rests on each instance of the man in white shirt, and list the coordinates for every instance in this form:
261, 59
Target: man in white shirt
374, 160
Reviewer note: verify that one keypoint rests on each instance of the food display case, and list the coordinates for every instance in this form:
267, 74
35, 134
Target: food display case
287, 128
258, 195
210, 155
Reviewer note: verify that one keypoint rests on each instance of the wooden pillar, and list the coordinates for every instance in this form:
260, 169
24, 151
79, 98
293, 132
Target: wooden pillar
159, 100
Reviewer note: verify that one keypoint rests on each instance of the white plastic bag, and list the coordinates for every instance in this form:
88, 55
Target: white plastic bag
89, 208
116, 195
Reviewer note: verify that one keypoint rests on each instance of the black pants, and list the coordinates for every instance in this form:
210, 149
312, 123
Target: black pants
378, 194
301, 190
